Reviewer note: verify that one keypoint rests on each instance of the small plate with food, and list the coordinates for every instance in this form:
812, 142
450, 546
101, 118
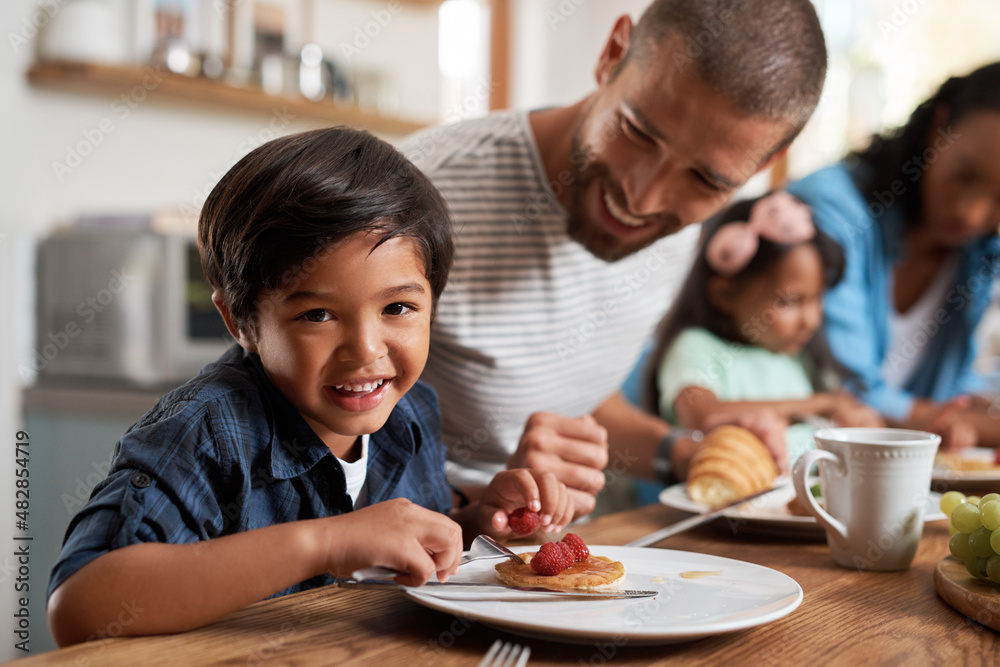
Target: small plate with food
732, 463
957, 470
777, 513
698, 595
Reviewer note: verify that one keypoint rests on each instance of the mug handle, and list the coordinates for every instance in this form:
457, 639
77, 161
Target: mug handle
800, 475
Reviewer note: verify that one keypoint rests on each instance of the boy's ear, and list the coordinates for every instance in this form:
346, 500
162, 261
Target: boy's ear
721, 294
241, 336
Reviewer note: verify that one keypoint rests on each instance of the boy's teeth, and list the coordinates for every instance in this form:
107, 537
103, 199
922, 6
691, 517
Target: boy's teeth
621, 214
367, 386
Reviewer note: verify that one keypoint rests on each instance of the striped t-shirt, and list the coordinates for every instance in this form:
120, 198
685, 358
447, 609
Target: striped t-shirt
530, 320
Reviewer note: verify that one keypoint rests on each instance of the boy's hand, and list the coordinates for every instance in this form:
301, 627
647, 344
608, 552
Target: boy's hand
575, 450
397, 534
538, 491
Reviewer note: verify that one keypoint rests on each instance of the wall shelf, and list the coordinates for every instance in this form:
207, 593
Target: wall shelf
115, 80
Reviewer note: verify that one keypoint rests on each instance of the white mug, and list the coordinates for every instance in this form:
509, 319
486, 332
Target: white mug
875, 485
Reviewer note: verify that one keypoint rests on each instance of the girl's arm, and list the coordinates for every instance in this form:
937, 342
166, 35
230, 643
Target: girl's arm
164, 588
697, 406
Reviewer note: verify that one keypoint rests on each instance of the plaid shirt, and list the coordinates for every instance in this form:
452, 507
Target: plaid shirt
227, 453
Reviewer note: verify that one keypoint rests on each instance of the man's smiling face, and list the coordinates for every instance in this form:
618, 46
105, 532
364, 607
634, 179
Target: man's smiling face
657, 150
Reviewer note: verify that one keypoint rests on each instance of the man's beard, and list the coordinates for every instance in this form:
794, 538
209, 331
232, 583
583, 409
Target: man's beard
587, 230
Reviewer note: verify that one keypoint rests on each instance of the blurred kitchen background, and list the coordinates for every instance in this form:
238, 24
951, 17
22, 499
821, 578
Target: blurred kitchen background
119, 116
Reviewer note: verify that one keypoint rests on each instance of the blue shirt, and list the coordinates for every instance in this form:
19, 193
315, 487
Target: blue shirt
857, 311
227, 453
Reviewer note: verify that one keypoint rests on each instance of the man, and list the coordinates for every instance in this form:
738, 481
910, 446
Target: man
561, 274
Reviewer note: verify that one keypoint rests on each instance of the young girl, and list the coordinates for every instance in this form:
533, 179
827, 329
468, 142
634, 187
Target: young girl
744, 332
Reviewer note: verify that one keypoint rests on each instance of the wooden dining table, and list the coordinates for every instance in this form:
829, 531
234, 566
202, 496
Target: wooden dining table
847, 617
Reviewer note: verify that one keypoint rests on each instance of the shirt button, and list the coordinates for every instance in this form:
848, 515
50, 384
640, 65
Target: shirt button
141, 480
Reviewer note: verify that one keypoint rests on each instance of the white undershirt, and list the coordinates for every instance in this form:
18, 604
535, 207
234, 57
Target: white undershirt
910, 332
356, 472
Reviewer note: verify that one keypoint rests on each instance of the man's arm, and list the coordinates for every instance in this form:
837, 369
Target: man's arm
633, 435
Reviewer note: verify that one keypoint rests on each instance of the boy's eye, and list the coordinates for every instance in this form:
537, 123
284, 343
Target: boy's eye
317, 315
397, 309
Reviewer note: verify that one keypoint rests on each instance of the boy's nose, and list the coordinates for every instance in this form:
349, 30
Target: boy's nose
362, 344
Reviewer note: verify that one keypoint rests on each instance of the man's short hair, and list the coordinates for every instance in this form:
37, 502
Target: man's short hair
768, 56
287, 201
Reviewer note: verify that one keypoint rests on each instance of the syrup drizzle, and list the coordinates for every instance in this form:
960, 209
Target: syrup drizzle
699, 574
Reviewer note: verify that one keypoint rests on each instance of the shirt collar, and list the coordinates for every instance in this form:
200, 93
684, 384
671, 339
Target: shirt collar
295, 447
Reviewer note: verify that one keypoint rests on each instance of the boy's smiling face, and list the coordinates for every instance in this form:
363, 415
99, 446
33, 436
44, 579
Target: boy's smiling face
349, 337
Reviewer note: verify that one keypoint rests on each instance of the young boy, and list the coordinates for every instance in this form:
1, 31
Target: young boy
309, 449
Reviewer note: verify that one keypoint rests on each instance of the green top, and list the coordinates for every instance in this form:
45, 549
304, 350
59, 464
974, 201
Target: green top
734, 372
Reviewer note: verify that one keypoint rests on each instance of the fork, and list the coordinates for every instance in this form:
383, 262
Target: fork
485, 546
505, 654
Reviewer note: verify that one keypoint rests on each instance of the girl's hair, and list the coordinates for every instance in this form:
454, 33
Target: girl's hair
898, 157
693, 308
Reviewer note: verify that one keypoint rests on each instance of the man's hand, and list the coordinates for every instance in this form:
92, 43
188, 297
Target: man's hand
575, 450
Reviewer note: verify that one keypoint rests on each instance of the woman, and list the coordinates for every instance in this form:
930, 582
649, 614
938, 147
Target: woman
917, 214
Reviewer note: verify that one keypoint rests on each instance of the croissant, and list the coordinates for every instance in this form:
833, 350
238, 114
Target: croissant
731, 463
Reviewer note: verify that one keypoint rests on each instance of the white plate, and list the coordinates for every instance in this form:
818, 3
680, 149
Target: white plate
974, 453
769, 514
741, 596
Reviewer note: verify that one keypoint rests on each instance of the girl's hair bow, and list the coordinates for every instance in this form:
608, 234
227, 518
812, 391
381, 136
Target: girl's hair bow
778, 217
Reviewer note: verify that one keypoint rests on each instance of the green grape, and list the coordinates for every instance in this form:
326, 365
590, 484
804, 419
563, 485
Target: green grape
995, 541
953, 531
959, 547
965, 517
988, 497
993, 569
973, 500
972, 565
979, 543
951, 500
989, 513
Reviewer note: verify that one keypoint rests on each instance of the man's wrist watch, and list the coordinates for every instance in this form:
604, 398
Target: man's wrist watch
663, 465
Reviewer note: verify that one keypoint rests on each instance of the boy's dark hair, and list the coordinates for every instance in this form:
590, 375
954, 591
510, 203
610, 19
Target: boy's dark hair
693, 308
768, 57
287, 201
885, 161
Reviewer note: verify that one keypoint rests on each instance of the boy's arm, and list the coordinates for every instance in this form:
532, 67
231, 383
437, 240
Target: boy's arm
178, 587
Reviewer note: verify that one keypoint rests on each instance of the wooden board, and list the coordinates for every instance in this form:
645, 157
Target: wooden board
976, 598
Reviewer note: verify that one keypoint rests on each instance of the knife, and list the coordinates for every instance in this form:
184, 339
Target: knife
696, 520
384, 585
